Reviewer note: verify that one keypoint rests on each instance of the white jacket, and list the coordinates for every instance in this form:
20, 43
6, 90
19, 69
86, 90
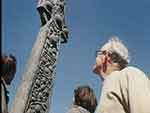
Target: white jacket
125, 91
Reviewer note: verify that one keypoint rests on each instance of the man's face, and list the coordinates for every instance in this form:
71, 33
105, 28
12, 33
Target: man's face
100, 58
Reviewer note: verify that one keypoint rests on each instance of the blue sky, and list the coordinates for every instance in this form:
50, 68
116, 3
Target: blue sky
91, 23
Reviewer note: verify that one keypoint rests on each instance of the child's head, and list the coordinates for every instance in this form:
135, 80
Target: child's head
85, 97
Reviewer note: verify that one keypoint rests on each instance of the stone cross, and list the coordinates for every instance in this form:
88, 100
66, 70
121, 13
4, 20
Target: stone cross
35, 92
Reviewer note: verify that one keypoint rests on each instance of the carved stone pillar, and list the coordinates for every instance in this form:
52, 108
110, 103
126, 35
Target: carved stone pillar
35, 92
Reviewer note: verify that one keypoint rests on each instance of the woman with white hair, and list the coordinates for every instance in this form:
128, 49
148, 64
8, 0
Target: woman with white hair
125, 89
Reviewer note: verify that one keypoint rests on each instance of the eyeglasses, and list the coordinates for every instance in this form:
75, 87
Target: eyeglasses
100, 53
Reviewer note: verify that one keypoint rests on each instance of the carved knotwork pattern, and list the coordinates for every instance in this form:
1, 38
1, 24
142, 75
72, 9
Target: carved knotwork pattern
45, 73
50, 11
43, 79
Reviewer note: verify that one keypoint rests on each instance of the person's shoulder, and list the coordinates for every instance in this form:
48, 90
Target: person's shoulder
77, 109
132, 70
134, 73
125, 73
73, 109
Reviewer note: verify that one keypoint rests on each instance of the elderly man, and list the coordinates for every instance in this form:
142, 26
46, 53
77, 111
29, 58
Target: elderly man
8, 72
125, 89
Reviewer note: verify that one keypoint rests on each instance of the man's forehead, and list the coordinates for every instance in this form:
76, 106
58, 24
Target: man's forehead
106, 47
116, 46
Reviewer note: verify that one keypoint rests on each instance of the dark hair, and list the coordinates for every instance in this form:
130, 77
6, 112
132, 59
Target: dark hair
85, 97
8, 64
116, 58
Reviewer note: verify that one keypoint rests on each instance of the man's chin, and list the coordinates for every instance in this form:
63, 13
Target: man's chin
95, 70
98, 73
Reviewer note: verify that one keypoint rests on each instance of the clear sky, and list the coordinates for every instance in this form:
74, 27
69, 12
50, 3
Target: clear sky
91, 23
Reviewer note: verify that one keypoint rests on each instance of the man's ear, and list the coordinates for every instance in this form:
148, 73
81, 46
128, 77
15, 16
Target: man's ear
104, 66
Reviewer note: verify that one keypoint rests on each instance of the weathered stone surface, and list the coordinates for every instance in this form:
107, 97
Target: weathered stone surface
38, 79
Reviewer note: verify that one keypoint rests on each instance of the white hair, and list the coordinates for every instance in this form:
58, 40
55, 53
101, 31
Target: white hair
115, 45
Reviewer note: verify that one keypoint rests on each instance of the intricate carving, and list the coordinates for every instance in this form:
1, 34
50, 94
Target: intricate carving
52, 18
50, 11
43, 80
